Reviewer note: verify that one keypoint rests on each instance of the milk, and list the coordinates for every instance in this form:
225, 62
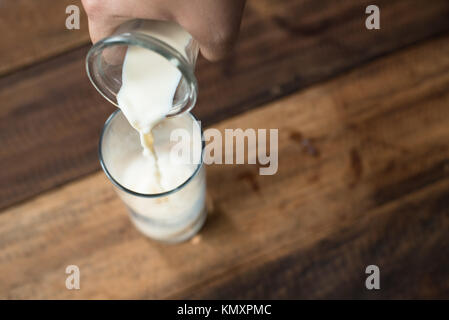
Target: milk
149, 81
149, 84
159, 172
178, 214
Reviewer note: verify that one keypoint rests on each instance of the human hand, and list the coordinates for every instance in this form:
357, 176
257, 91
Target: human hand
213, 23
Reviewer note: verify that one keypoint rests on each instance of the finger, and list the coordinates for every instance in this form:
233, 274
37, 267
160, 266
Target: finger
214, 24
105, 16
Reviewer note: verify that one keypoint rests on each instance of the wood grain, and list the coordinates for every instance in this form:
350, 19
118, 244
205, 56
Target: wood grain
51, 116
375, 191
33, 30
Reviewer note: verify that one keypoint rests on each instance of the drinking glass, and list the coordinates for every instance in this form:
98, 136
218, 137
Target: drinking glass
172, 216
104, 61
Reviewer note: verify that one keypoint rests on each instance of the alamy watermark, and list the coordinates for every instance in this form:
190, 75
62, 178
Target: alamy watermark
373, 280
72, 282
373, 20
73, 19
237, 146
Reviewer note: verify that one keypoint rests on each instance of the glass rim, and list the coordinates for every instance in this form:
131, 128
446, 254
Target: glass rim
146, 195
153, 44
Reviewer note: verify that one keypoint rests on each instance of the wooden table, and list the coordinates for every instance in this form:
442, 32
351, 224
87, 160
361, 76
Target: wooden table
363, 119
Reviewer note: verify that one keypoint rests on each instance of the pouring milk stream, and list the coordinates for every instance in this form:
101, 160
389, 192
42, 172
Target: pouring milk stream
149, 83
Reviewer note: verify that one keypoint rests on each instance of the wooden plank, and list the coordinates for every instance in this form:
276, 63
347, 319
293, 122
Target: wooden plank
283, 47
49, 133
374, 191
36, 30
